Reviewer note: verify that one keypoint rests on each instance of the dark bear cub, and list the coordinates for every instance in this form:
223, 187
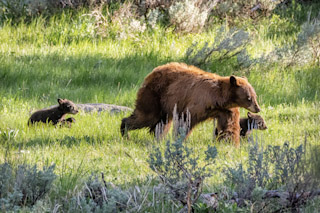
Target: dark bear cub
253, 121
56, 114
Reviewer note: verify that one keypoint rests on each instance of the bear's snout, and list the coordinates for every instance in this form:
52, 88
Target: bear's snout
75, 111
254, 108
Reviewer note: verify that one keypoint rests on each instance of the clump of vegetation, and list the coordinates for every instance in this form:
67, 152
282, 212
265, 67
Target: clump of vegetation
244, 9
99, 196
227, 43
121, 23
179, 168
23, 186
190, 16
304, 50
275, 178
18, 10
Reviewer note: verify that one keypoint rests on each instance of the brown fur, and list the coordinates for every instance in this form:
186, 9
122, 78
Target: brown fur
187, 88
67, 122
229, 126
56, 114
253, 121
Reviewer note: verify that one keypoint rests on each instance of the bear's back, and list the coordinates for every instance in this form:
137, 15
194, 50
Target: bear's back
165, 75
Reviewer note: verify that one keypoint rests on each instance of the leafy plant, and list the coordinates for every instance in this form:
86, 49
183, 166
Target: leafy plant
244, 9
274, 172
179, 168
190, 16
304, 50
24, 185
227, 43
99, 196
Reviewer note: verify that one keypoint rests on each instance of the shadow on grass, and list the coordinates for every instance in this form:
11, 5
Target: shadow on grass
34, 76
93, 78
67, 141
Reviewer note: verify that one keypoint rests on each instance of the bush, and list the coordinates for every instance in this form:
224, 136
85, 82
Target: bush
99, 196
306, 48
24, 185
228, 43
179, 168
190, 16
274, 172
25, 10
244, 9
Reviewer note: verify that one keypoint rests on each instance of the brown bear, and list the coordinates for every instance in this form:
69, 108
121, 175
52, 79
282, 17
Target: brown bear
229, 125
188, 88
55, 114
253, 121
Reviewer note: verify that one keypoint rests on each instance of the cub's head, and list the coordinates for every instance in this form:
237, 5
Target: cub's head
67, 106
243, 94
257, 120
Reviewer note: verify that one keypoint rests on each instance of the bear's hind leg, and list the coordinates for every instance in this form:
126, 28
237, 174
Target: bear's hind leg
138, 121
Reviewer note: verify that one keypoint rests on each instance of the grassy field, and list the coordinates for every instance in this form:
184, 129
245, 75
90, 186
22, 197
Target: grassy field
50, 59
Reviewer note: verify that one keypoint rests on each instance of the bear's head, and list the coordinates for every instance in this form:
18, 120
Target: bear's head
243, 94
257, 120
67, 106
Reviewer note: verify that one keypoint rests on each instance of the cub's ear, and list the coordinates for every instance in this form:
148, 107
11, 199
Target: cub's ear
249, 115
233, 80
60, 101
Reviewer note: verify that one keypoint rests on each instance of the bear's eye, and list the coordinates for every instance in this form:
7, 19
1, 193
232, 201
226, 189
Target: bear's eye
249, 98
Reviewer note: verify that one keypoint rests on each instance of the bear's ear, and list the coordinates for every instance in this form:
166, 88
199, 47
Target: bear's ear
244, 77
249, 115
233, 80
60, 101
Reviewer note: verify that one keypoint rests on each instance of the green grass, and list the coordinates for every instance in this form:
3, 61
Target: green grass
50, 59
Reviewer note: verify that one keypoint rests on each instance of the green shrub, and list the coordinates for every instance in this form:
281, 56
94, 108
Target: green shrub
99, 196
270, 173
190, 16
179, 168
228, 43
24, 185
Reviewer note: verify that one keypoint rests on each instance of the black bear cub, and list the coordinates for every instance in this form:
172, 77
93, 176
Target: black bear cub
55, 114
253, 121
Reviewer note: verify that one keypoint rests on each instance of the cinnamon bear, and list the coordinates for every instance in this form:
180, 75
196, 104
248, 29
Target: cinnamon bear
186, 88
55, 114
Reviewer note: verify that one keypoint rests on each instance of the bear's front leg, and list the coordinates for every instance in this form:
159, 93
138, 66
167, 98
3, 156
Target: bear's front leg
67, 122
228, 125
